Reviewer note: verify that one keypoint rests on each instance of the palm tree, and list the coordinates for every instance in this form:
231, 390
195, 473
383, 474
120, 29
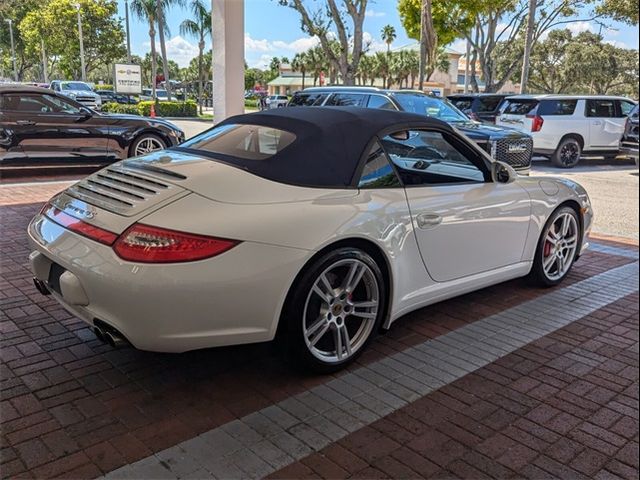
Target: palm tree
161, 8
388, 34
145, 10
199, 27
299, 63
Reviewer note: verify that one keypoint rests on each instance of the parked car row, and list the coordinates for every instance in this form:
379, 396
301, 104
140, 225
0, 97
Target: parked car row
563, 127
504, 144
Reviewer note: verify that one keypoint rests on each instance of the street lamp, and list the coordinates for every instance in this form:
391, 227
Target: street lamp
82, 66
126, 16
13, 48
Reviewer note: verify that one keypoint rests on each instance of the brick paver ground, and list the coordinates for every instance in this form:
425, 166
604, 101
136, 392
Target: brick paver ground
564, 405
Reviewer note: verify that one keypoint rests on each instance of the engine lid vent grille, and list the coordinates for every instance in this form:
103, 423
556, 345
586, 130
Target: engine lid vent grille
122, 190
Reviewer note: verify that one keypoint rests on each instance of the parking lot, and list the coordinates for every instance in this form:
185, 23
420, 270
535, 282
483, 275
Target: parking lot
506, 382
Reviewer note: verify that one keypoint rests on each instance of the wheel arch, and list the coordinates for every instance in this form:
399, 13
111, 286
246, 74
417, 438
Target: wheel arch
366, 245
576, 136
147, 131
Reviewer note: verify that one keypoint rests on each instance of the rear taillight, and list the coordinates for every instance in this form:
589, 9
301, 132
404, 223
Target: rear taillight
147, 244
536, 122
78, 226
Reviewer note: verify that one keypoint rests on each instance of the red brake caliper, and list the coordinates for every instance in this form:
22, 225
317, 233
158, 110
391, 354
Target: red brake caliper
547, 248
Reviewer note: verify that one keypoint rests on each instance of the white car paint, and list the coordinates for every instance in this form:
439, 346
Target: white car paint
488, 234
598, 133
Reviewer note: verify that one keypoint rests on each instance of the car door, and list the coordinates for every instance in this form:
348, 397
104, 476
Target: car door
605, 126
14, 127
464, 223
67, 132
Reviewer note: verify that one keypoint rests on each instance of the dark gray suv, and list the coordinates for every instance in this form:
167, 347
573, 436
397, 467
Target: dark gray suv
505, 144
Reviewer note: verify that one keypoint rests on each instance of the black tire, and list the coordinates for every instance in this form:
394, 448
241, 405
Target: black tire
292, 335
538, 276
568, 153
146, 137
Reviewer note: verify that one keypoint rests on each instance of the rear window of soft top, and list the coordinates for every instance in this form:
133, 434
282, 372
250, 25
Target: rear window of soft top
250, 142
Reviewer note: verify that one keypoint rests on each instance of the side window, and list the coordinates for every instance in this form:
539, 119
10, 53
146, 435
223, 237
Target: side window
379, 101
378, 172
425, 157
59, 105
626, 107
346, 100
601, 108
307, 99
557, 107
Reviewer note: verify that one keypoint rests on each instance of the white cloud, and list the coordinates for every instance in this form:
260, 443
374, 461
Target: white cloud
374, 44
252, 45
373, 13
179, 50
579, 27
617, 43
296, 46
300, 45
263, 62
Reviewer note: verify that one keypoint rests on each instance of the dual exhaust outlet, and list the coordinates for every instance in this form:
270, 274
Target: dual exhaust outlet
107, 334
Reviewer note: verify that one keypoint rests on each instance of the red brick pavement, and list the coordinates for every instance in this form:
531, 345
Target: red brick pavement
564, 406
73, 407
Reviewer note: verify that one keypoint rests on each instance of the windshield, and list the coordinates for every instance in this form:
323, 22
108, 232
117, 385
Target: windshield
76, 86
430, 106
161, 93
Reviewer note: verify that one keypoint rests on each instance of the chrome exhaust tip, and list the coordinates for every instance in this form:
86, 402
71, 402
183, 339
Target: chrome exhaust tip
108, 334
114, 340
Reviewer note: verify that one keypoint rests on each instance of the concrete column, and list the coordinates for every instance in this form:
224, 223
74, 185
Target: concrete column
227, 21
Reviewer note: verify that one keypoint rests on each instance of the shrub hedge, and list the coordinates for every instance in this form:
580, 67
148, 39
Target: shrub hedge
251, 103
163, 109
113, 107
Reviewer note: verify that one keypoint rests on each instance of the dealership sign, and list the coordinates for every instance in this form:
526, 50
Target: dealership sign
127, 79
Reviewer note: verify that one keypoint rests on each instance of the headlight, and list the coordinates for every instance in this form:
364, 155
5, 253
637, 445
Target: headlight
71, 94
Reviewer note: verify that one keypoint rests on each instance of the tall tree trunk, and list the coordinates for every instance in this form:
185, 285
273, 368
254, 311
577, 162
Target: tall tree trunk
303, 75
524, 78
152, 37
428, 41
163, 47
200, 72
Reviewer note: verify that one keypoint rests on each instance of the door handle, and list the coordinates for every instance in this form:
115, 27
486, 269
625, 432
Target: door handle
428, 220
596, 122
25, 122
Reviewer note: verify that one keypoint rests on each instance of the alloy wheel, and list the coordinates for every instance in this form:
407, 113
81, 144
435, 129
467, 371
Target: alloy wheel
560, 244
148, 145
569, 154
340, 310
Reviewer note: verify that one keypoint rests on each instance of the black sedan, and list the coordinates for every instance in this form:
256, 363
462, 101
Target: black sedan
40, 128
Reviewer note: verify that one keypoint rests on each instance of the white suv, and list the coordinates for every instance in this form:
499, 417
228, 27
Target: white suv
565, 126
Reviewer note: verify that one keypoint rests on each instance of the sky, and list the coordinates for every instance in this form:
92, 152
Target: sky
273, 30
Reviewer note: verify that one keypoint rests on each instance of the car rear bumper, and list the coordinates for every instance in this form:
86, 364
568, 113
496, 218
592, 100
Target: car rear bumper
233, 298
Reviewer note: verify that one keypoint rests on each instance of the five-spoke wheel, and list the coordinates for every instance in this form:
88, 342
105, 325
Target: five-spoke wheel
146, 144
336, 308
558, 247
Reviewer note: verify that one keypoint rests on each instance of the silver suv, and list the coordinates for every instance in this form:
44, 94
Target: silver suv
81, 92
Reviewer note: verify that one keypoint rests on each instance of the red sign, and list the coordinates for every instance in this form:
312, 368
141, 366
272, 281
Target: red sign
321, 78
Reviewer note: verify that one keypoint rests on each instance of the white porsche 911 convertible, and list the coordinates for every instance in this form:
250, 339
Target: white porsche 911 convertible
317, 225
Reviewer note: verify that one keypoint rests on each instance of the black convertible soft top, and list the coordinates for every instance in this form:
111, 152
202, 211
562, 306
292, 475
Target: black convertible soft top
329, 145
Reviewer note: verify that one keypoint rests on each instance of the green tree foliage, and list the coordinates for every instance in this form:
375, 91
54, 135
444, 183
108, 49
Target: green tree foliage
621, 10
580, 64
199, 27
27, 60
56, 23
450, 18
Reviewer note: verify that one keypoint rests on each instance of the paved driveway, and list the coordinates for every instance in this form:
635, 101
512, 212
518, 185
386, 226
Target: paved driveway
506, 382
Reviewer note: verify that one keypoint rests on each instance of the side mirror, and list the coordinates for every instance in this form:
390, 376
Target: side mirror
85, 113
502, 173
